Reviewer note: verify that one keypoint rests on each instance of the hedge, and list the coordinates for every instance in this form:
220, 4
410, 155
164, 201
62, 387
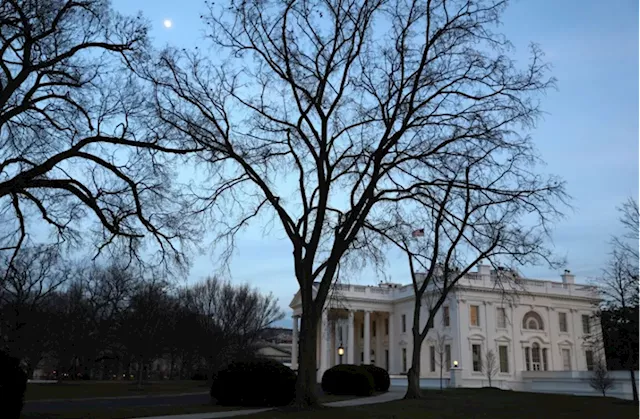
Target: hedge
258, 382
13, 384
381, 380
347, 379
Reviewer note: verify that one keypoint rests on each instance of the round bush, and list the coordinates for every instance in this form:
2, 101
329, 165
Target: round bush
13, 384
347, 379
381, 380
260, 382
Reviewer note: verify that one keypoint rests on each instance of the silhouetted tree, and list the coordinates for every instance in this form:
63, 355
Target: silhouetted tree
619, 288
27, 287
73, 138
323, 110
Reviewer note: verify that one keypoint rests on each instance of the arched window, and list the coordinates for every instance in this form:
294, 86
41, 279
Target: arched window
532, 321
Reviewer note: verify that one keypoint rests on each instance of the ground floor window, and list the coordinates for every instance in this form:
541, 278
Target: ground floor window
589, 357
447, 356
386, 358
566, 359
476, 355
432, 358
404, 359
536, 358
503, 354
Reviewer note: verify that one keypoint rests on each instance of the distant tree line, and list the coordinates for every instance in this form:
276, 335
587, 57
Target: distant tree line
106, 321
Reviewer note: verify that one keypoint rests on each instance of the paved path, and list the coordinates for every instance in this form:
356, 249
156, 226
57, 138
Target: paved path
60, 405
391, 395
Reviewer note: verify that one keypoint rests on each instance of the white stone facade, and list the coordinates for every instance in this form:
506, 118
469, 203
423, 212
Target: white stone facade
541, 326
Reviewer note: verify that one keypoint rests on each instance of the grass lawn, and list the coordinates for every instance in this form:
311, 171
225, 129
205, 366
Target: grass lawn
128, 412
476, 403
88, 389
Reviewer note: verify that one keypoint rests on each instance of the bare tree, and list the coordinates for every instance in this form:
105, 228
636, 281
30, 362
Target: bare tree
463, 225
618, 288
73, 136
26, 296
440, 348
323, 110
232, 317
600, 379
491, 365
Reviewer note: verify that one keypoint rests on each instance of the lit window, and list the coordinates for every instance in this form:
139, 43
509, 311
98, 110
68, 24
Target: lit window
474, 317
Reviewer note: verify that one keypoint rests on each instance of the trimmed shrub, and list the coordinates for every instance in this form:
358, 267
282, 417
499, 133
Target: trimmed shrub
347, 379
259, 382
13, 384
381, 380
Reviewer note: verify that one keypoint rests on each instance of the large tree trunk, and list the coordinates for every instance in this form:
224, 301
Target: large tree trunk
307, 370
634, 385
413, 376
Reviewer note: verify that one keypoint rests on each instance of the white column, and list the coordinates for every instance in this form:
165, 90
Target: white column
324, 344
351, 341
392, 345
367, 337
336, 342
294, 344
379, 348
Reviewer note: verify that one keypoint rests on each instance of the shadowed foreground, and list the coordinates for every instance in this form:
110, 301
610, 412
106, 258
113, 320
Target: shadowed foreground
478, 403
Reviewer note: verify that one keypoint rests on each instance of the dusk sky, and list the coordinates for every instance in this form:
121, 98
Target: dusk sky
589, 135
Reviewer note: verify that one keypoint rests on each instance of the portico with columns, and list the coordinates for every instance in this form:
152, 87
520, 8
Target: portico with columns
363, 334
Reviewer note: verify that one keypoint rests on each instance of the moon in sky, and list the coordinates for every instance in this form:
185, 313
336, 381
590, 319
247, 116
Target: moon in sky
167, 23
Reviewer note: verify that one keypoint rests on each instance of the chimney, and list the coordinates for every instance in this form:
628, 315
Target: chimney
568, 277
484, 271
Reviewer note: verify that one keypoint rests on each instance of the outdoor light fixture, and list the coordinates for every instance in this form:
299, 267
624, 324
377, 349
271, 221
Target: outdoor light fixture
340, 350
455, 364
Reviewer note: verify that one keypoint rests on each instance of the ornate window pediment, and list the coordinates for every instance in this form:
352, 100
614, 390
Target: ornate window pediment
532, 321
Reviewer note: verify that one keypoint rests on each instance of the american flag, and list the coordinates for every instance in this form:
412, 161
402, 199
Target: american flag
418, 233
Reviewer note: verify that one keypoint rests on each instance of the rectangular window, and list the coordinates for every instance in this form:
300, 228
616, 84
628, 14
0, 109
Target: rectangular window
362, 357
527, 359
474, 317
445, 316
386, 326
562, 321
502, 318
585, 324
476, 357
503, 353
386, 358
432, 358
404, 359
589, 357
447, 357
404, 323
566, 359
545, 366
373, 326
362, 331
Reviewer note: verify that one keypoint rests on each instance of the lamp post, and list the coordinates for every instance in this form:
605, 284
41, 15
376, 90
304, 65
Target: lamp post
340, 352
455, 364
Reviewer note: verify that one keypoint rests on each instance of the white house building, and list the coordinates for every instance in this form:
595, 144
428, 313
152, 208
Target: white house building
541, 326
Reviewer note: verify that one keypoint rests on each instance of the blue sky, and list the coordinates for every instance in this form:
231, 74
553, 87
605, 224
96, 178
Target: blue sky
589, 135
